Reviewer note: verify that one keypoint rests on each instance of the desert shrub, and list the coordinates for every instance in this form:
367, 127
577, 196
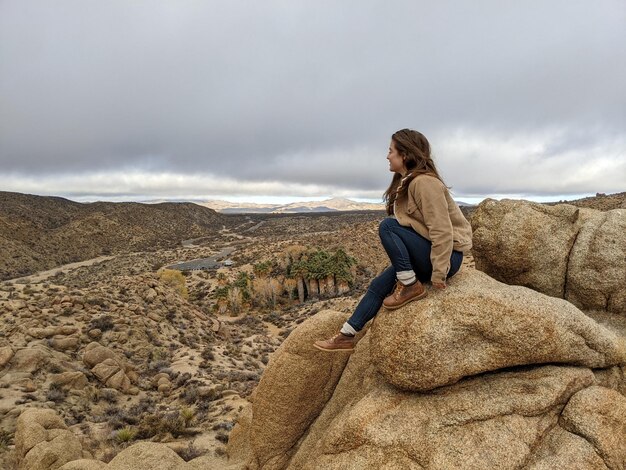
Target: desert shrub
96, 301
156, 424
27, 290
66, 312
103, 323
222, 437
109, 455
224, 425
188, 414
126, 434
183, 379
243, 283
262, 269
56, 393
221, 292
208, 354
5, 439
189, 453
176, 280
190, 395
54, 368
145, 405
92, 394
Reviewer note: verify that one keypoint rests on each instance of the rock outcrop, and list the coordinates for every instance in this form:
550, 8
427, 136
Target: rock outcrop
150, 456
563, 251
482, 375
295, 387
481, 325
43, 442
111, 369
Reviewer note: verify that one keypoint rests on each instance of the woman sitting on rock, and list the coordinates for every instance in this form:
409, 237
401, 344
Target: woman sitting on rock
424, 237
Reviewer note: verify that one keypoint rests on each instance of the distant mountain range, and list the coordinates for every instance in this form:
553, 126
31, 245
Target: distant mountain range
329, 205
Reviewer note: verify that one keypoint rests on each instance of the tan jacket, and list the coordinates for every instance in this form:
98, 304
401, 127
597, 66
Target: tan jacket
430, 210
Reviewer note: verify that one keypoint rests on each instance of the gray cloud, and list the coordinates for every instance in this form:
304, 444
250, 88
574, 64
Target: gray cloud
308, 93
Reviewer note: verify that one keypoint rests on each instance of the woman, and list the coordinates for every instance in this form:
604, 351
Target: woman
424, 237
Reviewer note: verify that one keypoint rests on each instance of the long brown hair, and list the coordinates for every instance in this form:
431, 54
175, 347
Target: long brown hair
415, 149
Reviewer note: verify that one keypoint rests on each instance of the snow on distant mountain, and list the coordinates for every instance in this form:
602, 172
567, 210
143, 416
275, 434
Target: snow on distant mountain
329, 205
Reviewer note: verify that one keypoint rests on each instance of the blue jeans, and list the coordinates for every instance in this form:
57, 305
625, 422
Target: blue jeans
407, 250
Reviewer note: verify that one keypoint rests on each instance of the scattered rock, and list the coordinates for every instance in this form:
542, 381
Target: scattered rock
62, 343
150, 295
6, 353
95, 333
27, 385
30, 359
50, 331
72, 380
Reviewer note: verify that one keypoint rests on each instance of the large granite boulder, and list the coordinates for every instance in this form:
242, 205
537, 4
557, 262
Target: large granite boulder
43, 442
563, 251
596, 275
150, 456
296, 385
524, 243
528, 363
481, 325
490, 421
30, 359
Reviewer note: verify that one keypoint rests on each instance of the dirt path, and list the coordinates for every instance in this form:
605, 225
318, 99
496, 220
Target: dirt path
43, 275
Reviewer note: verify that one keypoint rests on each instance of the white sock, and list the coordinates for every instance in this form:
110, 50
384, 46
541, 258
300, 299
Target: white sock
406, 277
347, 329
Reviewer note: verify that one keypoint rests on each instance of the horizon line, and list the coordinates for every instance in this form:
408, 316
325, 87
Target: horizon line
284, 200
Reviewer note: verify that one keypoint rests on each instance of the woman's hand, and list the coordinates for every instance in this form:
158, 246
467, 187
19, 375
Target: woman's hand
439, 285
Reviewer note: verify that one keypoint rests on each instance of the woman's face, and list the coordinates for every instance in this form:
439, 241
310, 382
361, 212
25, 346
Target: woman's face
396, 161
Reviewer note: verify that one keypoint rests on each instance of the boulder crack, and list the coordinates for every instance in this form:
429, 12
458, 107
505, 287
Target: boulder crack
569, 255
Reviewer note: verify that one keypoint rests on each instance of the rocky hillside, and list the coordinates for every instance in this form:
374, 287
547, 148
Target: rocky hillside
38, 233
601, 202
125, 351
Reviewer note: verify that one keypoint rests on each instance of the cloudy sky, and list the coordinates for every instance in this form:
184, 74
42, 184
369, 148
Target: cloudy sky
279, 100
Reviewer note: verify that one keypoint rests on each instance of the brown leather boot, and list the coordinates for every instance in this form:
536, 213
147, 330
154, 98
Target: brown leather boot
339, 342
402, 295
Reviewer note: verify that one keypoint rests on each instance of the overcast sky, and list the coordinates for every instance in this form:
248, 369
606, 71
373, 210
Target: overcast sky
128, 100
